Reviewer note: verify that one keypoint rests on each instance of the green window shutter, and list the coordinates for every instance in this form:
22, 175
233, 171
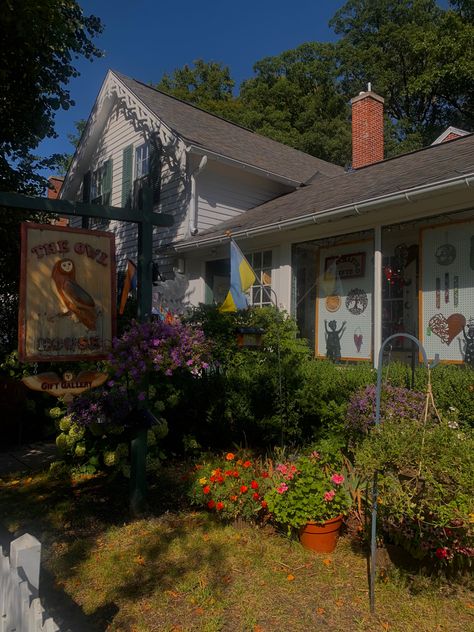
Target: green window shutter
155, 167
107, 183
127, 172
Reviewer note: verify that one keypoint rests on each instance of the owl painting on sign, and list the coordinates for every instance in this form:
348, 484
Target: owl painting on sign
78, 303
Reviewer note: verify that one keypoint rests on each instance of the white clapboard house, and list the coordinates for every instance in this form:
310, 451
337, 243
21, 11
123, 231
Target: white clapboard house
385, 247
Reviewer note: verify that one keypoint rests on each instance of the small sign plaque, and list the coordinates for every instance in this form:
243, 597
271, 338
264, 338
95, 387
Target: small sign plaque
65, 386
67, 293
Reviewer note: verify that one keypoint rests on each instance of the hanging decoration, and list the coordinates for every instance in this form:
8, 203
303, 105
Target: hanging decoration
356, 301
438, 293
447, 328
358, 339
446, 287
333, 302
456, 291
445, 254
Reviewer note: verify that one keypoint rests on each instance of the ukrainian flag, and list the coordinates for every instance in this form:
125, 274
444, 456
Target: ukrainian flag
242, 277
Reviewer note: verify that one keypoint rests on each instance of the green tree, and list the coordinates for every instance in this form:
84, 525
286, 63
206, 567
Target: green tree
64, 160
418, 56
295, 98
40, 41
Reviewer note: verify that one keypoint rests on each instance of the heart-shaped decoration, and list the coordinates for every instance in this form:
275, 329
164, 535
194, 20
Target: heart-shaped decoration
358, 341
447, 328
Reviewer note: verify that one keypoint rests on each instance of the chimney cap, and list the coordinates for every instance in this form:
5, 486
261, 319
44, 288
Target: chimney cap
368, 95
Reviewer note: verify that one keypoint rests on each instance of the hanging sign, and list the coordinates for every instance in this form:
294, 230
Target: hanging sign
65, 386
67, 293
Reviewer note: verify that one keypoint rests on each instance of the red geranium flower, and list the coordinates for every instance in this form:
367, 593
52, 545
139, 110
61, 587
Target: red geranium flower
230, 456
441, 553
233, 498
254, 485
265, 474
243, 489
229, 472
206, 490
211, 504
220, 506
247, 463
264, 504
235, 474
255, 496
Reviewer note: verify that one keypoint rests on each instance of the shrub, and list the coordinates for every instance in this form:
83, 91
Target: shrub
426, 486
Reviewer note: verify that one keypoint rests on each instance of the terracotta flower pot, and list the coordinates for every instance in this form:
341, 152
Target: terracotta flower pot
321, 538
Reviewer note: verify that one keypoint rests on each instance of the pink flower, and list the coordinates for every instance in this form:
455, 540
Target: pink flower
337, 479
282, 488
315, 454
328, 496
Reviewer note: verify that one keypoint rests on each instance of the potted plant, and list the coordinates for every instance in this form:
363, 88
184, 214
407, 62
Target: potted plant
310, 495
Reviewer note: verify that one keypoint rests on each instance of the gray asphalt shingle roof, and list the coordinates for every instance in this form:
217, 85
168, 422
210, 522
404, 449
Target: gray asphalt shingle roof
424, 167
211, 132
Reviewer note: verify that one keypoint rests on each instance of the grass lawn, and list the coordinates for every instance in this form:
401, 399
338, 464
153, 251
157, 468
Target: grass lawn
178, 570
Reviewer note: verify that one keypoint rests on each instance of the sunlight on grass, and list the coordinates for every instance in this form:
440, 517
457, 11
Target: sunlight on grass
185, 571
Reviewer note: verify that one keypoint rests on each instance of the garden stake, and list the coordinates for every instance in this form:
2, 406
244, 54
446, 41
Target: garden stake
373, 534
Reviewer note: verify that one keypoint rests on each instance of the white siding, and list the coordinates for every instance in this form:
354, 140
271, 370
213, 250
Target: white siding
119, 132
225, 192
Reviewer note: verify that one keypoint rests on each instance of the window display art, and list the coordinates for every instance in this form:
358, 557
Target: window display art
344, 302
447, 291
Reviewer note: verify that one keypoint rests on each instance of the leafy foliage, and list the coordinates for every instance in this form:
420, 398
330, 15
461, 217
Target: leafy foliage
310, 489
426, 485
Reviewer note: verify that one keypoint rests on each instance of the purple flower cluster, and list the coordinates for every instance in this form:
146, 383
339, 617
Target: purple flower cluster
100, 406
159, 346
396, 403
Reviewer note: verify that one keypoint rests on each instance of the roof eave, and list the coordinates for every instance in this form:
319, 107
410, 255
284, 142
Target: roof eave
233, 162
335, 213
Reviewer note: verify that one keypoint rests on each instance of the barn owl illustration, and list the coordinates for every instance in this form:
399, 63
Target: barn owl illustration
72, 296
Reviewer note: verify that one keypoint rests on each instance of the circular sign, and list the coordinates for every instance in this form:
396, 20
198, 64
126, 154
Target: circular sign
445, 254
356, 301
333, 302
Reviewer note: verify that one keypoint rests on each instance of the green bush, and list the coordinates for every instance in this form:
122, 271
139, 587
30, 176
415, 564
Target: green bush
426, 485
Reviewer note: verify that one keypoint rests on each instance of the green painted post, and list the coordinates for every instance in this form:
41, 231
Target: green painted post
144, 287
146, 219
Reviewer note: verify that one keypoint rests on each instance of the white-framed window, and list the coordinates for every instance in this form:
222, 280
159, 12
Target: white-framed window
142, 161
261, 262
97, 184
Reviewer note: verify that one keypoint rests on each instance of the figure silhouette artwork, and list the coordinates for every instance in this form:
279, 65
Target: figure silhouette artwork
333, 339
469, 342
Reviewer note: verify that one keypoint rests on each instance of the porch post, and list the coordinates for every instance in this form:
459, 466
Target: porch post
377, 325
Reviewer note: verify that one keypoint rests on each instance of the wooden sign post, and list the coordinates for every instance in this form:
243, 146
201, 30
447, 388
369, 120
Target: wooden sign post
146, 219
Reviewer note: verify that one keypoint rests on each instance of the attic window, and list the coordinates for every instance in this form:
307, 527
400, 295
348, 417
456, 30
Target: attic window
142, 166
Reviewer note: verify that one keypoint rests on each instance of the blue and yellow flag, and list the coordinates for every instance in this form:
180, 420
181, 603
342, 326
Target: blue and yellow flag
242, 277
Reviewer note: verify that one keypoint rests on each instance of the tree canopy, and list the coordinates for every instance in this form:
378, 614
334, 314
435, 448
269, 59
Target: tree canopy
417, 55
40, 41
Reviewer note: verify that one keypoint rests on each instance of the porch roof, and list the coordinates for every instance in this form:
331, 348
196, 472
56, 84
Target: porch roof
436, 166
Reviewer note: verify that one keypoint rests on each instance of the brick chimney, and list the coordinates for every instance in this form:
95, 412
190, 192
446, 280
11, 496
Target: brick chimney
56, 182
367, 128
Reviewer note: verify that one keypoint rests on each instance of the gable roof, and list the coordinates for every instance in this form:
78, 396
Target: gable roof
210, 132
364, 187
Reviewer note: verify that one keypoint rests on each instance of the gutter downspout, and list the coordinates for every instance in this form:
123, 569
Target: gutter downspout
193, 202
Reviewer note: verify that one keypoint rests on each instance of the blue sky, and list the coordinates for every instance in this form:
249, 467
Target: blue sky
147, 38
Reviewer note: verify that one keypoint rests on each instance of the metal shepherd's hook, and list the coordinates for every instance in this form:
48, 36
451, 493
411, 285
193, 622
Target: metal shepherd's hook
373, 539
